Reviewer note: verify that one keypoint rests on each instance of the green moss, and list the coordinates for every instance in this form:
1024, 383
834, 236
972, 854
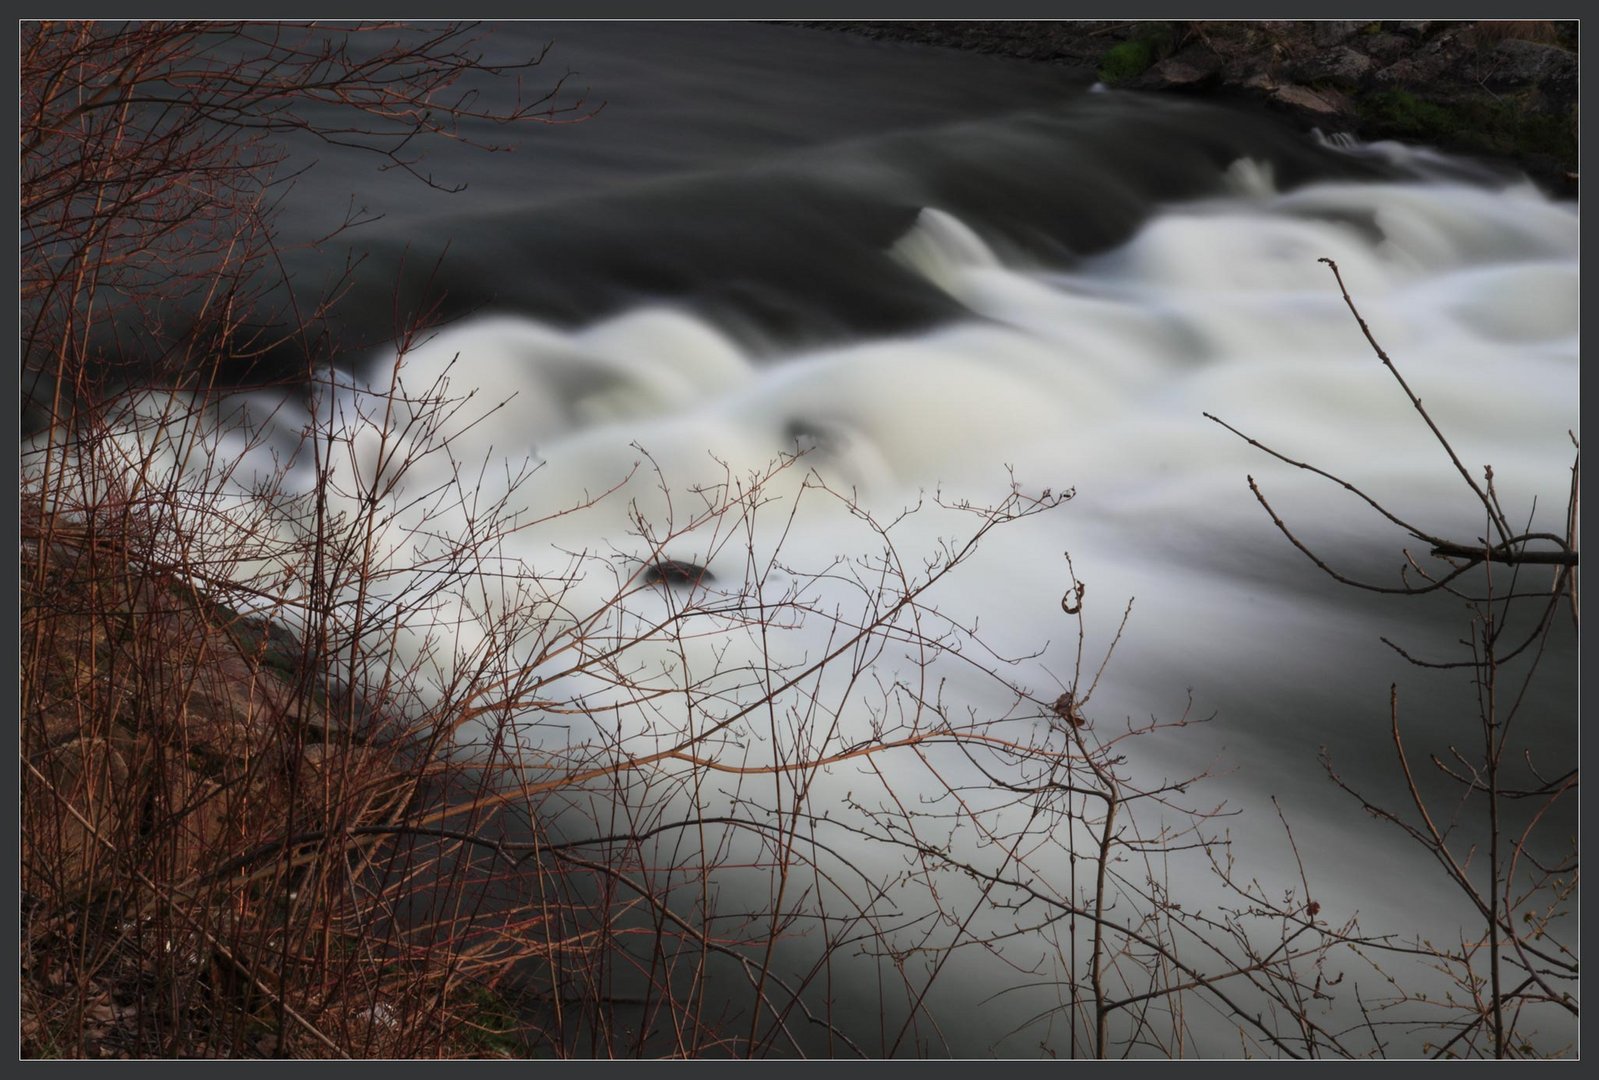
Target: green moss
1152, 43
1483, 124
1404, 114
1126, 60
494, 1029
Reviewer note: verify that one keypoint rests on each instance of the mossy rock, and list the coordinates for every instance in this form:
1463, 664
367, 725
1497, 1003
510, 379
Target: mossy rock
1152, 43
1484, 124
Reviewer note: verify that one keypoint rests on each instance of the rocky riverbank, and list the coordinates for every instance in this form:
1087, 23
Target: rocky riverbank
1505, 89
206, 847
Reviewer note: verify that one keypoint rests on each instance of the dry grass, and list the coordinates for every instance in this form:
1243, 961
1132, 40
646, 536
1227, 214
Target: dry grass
1488, 32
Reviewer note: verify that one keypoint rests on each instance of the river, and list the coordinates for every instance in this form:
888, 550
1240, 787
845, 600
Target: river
780, 321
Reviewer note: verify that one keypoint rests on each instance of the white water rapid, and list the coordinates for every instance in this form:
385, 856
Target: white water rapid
702, 562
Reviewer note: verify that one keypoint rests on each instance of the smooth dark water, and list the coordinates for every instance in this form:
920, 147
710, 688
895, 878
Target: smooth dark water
757, 173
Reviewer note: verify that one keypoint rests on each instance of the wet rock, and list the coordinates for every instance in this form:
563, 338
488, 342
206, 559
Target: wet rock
1343, 68
1323, 103
1193, 68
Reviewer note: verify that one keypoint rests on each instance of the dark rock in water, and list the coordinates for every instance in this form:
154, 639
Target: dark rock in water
809, 437
673, 572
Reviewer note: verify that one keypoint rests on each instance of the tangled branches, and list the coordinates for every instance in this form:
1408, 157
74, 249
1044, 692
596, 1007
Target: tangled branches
1522, 963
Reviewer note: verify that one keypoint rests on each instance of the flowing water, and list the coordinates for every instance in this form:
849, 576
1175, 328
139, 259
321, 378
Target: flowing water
744, 359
